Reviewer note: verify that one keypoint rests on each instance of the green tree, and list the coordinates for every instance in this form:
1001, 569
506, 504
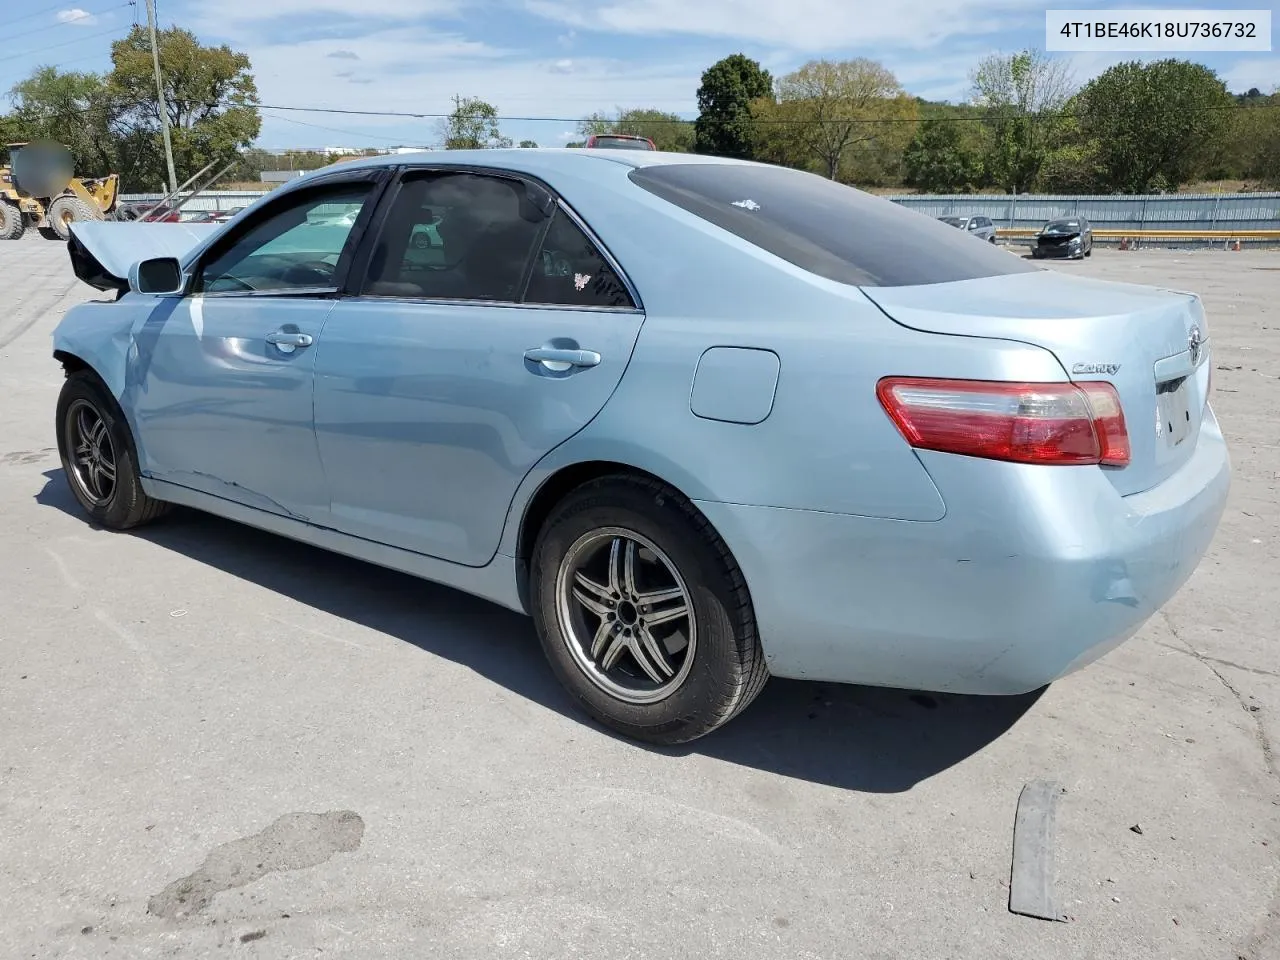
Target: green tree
1155, 123
724, 125
210, 97
668, 131
1022, 97
527, 144
827, 109
938, 160
72, 108
473, 125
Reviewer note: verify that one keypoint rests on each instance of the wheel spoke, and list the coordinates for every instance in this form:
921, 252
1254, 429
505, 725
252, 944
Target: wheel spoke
597, 590
652, 652
593, 604
629, 568
613, 653
93, 481
84, 426
107, 469
666, 616
603, 633
615, 566
655, 597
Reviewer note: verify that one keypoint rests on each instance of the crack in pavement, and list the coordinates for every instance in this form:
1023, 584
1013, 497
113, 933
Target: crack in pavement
1256, 671
1260, 731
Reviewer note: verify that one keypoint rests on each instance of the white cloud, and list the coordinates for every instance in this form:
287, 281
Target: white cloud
1249, 72
802, 25
76, 16
562, 66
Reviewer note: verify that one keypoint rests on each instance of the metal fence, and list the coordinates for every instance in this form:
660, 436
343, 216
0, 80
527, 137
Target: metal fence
209, 200
1177, 212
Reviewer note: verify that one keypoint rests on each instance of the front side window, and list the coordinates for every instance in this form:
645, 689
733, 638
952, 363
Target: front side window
294, 248
570, 270
456, 236
826, 228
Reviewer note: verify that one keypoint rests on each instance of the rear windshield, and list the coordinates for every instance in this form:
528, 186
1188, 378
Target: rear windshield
829, 229
622, 143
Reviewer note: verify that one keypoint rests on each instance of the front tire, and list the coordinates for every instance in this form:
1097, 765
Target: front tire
65, 211
13, 222
643, 612
98, 456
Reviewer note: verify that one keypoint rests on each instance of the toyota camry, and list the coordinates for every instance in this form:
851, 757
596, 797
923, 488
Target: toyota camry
670, 406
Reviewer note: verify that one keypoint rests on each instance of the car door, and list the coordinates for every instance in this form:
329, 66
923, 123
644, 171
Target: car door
222, 375
460, 363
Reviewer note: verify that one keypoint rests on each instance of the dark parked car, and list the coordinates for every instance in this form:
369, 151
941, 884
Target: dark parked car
1070, 238
980, 227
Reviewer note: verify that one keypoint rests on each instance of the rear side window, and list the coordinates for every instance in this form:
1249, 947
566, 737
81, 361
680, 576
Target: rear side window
570, 271
829, 229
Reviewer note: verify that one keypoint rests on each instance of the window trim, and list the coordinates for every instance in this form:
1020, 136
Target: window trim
357, 275
375, 178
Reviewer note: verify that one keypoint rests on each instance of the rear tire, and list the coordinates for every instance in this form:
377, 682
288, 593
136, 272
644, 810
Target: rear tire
98, 456
13, 222
65, 211
615, 564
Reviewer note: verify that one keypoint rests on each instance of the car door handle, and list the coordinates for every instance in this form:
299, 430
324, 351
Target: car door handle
284, 338
554, 358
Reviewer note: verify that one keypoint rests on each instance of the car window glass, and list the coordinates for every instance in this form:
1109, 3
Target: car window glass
826, 228
456, 236
570, 270
297, 247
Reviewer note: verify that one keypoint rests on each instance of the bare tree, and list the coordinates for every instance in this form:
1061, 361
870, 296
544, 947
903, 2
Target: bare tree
826, 107
1023, 95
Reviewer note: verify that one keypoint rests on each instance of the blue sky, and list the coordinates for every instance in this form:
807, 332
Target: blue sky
555, 58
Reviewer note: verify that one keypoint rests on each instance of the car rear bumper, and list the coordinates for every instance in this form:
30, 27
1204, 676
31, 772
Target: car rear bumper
1033, 573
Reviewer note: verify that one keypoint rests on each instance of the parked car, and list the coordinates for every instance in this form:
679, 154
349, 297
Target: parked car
980, 227
672, 407
221, 216
619, 141
1070, 237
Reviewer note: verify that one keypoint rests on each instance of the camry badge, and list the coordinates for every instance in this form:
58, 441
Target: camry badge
1108, 368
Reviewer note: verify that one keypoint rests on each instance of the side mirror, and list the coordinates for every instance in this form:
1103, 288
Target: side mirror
157, 277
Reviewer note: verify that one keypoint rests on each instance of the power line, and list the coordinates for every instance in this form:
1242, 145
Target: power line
79, 16
345, 133
1050, 115
28, 16
341, 111
54, 46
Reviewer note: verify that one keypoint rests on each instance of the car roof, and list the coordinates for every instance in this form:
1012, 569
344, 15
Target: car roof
528, 159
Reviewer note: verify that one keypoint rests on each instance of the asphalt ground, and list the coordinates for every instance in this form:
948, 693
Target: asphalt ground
217, 742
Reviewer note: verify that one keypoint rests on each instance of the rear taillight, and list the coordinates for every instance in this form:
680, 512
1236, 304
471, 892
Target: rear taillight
1046, 423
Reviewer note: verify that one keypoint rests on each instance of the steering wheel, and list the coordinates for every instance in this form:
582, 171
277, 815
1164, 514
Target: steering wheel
319, 269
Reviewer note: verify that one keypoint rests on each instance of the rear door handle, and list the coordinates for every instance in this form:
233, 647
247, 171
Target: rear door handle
554, 358
288, 341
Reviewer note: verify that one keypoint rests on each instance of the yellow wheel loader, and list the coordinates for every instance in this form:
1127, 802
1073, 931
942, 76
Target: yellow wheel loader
39, 188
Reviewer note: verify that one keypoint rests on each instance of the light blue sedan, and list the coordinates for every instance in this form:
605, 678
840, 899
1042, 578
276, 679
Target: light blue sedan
674, 407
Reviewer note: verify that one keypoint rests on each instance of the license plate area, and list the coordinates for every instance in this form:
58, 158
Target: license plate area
1173, 411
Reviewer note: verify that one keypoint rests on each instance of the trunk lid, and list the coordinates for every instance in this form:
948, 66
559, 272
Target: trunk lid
1138, 338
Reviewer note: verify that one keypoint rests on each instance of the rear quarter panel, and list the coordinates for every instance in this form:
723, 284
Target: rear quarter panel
827, 444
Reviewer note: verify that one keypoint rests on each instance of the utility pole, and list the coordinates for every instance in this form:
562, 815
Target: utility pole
164, 110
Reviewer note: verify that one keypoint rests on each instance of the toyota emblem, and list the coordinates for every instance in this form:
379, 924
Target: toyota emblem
1196, 341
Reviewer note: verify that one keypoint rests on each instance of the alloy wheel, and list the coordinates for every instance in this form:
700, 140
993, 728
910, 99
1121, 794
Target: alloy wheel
92, 455
626, 615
